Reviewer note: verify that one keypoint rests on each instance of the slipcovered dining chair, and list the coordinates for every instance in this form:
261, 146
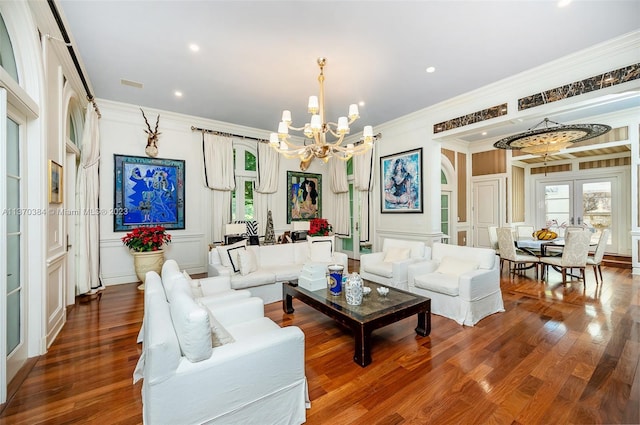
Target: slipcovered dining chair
595, 260
493, 240
507, 247
524, 232
574, 255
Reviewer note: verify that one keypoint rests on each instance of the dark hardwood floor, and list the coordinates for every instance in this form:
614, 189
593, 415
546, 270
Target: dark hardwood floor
558, 355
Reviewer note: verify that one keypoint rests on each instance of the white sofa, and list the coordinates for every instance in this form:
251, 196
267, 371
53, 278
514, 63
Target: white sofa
256, 377
462, 282
274, 264
390, 266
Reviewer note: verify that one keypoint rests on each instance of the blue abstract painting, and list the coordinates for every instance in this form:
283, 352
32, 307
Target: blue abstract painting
148, 191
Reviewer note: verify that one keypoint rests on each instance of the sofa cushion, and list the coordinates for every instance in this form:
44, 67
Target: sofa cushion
397, 254
229, 254
380, 269
438, 282
286, 272
247, 262
219, 335
191, 323
456, 266
321, 248
257, 278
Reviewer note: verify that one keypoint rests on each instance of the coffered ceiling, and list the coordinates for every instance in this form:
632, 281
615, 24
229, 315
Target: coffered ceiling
257, 58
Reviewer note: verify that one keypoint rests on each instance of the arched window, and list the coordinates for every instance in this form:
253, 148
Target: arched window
245, 165
7, 58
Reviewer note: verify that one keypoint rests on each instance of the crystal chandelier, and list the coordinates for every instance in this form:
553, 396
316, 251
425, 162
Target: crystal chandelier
316, 131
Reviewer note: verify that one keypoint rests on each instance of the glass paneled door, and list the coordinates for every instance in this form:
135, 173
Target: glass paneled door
584, 202
15, 313
351, 245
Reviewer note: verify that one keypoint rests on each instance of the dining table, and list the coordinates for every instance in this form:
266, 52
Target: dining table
544, 248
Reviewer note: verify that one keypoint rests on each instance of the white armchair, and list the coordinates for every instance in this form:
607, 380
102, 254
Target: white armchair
390, 266
463, 282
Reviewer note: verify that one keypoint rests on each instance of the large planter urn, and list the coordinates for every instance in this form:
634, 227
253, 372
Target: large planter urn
147, 261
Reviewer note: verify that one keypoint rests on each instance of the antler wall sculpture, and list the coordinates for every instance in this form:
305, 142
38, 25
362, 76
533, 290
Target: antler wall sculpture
152, 137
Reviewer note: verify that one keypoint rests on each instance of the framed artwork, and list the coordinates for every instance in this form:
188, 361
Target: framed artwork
55, 182
401, 177
304, 201
148, 191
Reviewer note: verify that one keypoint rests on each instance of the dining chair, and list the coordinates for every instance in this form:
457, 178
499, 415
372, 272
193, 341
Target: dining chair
574, 255
595, 260
524, 231
493, 240
507, 247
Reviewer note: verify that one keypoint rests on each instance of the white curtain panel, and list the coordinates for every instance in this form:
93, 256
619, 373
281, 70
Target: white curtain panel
363, 181
219, 177
268, 173
87, 191
340, 187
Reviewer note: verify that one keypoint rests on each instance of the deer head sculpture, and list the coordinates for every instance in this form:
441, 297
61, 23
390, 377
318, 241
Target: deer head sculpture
152, 137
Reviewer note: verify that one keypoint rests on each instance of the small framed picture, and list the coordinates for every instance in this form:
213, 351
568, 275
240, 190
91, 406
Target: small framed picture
401, 176
55, 182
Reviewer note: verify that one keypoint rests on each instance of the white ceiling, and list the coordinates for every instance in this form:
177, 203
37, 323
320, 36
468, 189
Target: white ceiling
257, 58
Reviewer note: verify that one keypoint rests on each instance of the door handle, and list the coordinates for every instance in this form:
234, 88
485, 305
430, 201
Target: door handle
357, 225
579, 220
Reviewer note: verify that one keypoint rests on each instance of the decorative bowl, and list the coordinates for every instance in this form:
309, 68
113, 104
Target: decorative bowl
383, 291
366, 290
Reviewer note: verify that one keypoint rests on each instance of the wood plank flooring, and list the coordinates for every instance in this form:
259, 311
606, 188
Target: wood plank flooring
558, 355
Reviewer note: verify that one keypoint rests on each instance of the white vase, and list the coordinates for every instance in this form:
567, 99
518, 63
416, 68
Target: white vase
147, 261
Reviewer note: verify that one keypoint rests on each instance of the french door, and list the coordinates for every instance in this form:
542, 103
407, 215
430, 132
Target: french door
351, 245
14, 347
581, 202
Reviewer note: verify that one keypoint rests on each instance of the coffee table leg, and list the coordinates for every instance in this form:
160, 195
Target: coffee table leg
424, 323
287, 303
362, 338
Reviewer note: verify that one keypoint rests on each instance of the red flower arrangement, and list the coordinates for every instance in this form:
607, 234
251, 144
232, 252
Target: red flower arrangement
319, 227
146, 238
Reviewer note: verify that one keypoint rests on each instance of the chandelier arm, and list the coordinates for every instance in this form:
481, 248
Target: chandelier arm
290, 127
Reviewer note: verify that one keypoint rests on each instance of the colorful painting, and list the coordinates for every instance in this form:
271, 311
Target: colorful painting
304, 201
401, 177
148, 191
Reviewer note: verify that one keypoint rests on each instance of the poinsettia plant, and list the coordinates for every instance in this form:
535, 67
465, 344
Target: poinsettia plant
146, 238
319, 227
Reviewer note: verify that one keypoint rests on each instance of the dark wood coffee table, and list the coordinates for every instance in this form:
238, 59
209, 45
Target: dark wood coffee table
375, 312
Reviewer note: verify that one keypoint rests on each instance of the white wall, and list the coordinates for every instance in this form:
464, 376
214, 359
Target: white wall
122, 132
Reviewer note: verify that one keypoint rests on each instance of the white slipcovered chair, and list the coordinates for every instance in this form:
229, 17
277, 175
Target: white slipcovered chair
463, 282
390, 266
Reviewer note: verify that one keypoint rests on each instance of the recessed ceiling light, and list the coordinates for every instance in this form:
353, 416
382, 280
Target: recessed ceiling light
194, 47
563, 3
484, 133
361, 103
431, 69
178, 93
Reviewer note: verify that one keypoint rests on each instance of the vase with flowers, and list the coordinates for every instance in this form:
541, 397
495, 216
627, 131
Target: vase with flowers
145, 244
319, 227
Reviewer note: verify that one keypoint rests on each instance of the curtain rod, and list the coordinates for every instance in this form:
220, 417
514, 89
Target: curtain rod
221, 133
74, 58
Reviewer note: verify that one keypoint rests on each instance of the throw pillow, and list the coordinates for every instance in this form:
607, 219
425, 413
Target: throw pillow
219, 335
247, 262
456, 266
321, 248
229, 254
397, 254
